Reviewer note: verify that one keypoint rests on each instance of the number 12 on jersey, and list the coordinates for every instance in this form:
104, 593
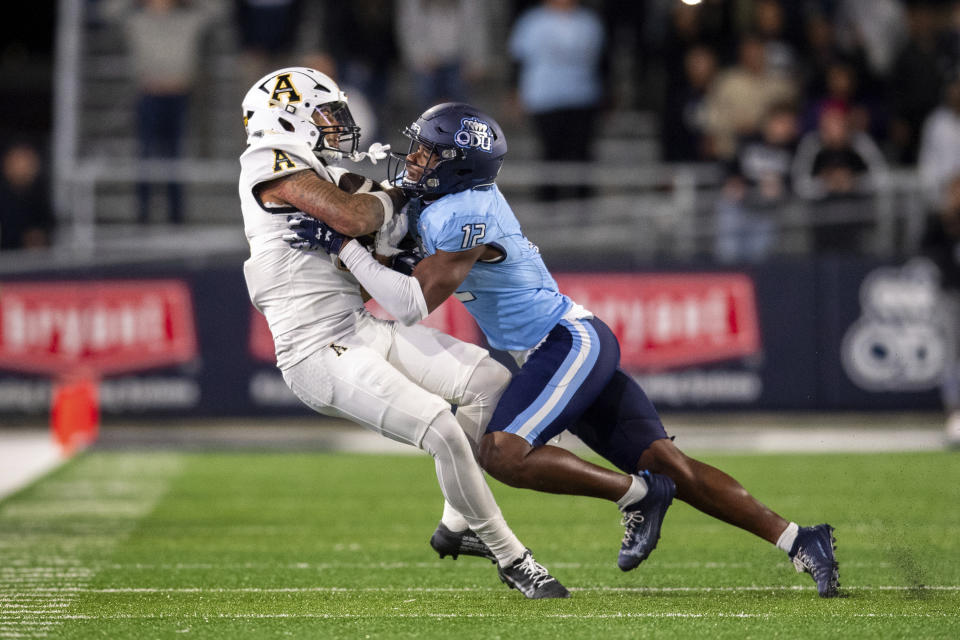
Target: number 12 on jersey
472, 234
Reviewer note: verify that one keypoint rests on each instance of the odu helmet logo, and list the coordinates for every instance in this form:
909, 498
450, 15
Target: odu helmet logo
474, 134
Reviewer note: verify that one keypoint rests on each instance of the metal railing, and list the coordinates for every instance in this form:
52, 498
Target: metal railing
674, 203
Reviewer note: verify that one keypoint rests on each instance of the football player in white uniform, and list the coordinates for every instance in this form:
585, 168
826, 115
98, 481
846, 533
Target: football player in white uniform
338, 359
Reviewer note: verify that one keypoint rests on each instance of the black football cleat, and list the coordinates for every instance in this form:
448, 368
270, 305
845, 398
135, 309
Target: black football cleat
531, 578
459, 543
812, 553
642, 521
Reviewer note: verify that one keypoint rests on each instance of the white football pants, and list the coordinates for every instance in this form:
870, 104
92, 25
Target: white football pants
399, 381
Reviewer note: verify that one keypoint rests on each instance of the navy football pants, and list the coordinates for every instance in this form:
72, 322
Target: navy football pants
573, 381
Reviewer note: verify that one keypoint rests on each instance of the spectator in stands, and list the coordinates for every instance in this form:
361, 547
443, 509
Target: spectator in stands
820, 50
164, 39
941, 243
741, 95
623, 22
359, 36
268, 32
26, 218
559, 46
916, 83
757, 189
683, 136
840, 92
444, 43
672, 30
768, 21
837, 170
939, 151
677, 26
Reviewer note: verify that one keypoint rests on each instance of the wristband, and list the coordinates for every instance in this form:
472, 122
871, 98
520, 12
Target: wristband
387, 202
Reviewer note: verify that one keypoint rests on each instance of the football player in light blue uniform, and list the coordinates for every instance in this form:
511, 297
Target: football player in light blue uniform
471, 246
512, 295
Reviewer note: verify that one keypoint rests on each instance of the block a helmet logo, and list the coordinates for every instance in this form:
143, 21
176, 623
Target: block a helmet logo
474, 134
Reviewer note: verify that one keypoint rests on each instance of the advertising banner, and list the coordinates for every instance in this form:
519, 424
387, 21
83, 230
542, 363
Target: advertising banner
672, 320
183, 340
105, 327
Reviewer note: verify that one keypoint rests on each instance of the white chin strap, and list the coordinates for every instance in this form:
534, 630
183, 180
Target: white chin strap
330, 156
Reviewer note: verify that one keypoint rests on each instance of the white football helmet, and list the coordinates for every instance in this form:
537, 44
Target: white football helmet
306, 103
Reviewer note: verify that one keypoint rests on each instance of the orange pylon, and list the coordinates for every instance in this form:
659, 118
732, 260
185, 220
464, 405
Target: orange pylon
75, 412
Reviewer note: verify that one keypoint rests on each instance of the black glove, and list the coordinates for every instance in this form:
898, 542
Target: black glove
405, 262
309, 234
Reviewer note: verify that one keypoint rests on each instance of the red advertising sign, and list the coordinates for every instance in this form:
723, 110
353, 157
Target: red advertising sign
450, 317
672, 320
106, 327
662, 320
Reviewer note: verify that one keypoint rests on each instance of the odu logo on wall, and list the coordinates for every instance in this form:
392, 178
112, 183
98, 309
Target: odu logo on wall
474, 134
904, 337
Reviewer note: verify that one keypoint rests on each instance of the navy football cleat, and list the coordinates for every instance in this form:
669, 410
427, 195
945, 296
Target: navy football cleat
531, 578
643, 519
459, 543
812, 553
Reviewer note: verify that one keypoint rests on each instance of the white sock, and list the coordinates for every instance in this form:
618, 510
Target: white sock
786, 539
464, 487
636, 492
452, 519
502, 542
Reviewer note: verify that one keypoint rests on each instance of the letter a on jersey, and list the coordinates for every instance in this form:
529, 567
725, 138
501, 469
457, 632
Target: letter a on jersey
283, 91
282, 161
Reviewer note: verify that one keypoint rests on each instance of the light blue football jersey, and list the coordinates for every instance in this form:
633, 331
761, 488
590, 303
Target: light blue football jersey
515, 300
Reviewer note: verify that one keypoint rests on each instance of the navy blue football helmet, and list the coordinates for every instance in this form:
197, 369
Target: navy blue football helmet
457, 147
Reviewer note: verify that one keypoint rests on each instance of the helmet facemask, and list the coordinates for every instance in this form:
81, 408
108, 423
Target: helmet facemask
338, 134
428, 157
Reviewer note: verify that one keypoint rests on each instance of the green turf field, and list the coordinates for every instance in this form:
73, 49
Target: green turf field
201, 545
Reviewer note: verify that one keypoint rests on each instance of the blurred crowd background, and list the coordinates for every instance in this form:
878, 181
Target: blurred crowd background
792, 158
730, 131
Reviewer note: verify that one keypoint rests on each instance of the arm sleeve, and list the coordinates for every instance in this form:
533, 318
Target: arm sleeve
400, 295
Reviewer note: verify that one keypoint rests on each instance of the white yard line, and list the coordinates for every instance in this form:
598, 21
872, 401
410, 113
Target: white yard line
432, 565
61, 575
326, 566
498, 616
24, 457
734, 589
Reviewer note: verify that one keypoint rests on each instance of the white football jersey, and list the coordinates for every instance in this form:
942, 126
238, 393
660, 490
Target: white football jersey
307, 301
